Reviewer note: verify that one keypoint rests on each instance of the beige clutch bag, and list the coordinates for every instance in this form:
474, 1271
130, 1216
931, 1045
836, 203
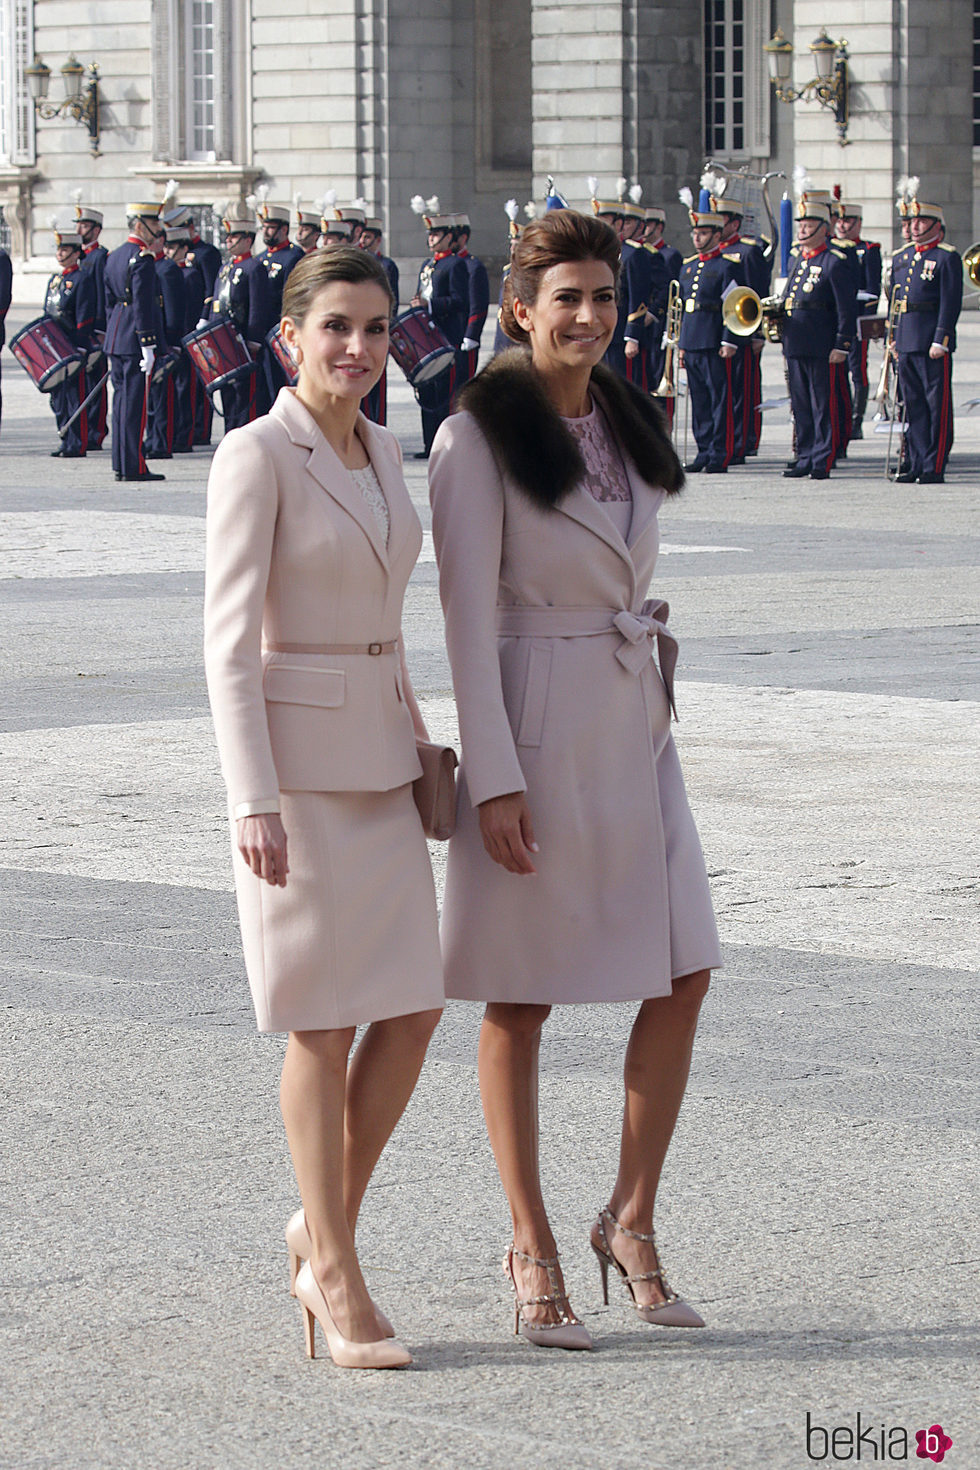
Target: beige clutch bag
435, 789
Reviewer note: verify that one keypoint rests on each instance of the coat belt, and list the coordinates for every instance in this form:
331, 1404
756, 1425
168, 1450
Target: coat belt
333, 648
637, 632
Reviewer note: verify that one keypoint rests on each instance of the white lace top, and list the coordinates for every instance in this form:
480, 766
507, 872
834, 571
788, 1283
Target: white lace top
605, 472
370, 487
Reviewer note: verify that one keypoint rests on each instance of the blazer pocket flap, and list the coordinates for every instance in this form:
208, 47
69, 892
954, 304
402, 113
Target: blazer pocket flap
294, 684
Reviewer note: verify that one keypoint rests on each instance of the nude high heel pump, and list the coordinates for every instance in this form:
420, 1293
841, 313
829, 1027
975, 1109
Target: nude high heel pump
387, 1352
568, 1331
673, 1312
299, 1247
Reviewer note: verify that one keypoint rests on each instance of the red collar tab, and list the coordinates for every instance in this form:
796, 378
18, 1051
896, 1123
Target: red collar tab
135, 240
90, 248
921, 246
442, 255
69, 270
237, 259
809, 254
271, 249
712, 254
735, 239
462, 254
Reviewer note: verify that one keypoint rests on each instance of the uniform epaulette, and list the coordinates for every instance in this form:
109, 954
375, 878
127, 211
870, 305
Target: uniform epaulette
839, 253
148, 253
943, 246
845, 244
748, 240
902, 248
690, 257
732, 255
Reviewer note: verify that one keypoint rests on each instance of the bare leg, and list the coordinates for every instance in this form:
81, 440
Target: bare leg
658, 1060
380, 1081
510, 1042
311, 1094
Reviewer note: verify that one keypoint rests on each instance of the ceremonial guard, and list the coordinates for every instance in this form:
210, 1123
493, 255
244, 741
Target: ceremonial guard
187, 389
501, 341
207, 259
94, 257
928, 286
612, 212
707, 347
307, 227
907, 189
335, 232
70, 301
234, 292
479, 296
820, 303
867, 254
375, 405
747, 363
272, 269
671, 260
643, 288
444, 289
354, 215
161, 413
371, 240
6, 294
134, 333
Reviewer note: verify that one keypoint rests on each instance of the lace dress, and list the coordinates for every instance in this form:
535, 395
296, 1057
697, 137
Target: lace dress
369, 485
605, 473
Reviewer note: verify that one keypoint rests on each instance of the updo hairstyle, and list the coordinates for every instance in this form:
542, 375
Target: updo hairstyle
562, 235
322, 268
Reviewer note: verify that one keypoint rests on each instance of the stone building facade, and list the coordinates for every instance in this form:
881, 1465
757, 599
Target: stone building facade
476, 101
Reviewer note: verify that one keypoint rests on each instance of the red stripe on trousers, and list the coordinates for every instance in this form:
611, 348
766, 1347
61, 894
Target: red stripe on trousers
944, 416
729, 415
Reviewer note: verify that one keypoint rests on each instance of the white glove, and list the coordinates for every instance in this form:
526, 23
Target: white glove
147, 358
468, 344
202, 323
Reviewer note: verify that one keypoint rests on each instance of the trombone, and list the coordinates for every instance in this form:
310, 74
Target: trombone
886, 393
971, 267
667, 387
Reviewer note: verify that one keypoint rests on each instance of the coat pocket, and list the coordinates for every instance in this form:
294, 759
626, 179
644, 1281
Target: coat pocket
535, 694
296, 684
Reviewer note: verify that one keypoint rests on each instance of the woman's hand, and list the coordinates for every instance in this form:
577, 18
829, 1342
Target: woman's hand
262, 843
505, 824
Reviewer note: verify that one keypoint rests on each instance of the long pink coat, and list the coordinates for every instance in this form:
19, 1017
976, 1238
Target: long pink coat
568, 704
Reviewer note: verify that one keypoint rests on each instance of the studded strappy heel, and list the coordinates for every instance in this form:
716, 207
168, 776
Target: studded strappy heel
670, 1313
568, 1331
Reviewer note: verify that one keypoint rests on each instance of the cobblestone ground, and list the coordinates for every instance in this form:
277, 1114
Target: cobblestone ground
819, 1201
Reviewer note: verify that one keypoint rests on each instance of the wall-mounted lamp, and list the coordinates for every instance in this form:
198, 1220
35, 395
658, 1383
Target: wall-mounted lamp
828, 87
83, 106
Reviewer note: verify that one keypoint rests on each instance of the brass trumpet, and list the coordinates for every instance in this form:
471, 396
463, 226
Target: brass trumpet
741, 310
773, 316
667, 387
971, 267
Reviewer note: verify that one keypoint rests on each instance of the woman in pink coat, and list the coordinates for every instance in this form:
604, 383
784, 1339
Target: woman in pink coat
575, 874
311, 539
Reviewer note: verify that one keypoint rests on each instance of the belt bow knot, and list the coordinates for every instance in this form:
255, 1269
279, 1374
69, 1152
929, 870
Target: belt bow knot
638, 632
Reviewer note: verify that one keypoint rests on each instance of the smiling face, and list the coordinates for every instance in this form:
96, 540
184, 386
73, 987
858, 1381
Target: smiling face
572, 321
342, 343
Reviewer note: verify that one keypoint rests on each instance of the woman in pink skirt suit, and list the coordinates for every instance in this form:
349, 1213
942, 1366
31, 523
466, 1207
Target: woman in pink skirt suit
575, 874
311, 539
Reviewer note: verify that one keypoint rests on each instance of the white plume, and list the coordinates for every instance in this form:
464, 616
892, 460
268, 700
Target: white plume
76, 195
801, 179
621, 187
53, 222
219, 208
297, 196
328, 201
432, 205
531, 209
901, 188
721, 184
170, 189
592, 184
709, 181
418, 204
912, 186
686, 197
262, 193
251, 203
636, 193
360, 204
510, 209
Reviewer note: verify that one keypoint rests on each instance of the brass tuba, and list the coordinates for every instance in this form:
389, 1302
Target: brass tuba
741, 310
667, 387
971, 268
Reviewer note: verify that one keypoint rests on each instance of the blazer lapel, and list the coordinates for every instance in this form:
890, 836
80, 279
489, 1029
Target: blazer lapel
327, 469
401, 512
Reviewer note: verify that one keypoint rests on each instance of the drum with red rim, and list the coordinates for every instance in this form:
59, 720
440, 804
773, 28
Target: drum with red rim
219, 353
276, 344
419, 347
45, 351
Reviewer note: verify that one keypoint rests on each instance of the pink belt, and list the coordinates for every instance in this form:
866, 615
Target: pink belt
637, 632
333, 648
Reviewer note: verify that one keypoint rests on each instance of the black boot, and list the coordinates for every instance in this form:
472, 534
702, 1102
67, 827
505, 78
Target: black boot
860, 404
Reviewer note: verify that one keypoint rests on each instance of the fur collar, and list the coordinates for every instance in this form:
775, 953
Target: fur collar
532, 444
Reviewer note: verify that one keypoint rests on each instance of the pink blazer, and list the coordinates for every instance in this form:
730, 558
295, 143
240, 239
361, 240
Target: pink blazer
295, 556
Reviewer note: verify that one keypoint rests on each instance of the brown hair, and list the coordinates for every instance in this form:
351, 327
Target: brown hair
562, 235
321, 268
